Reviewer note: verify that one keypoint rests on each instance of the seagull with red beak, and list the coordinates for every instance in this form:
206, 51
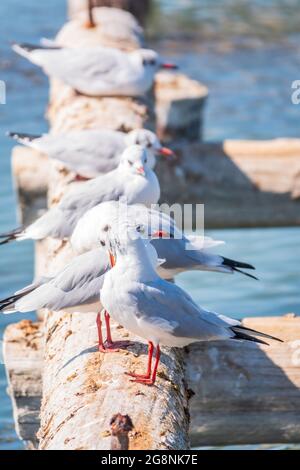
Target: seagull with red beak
101, 148
98, 71
132, 181
156, 310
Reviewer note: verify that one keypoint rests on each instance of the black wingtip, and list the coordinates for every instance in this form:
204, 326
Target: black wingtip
237, 264
245, 274
22, 136
255, 332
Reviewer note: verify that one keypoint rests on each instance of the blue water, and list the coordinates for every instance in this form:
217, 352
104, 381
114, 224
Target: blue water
249, 98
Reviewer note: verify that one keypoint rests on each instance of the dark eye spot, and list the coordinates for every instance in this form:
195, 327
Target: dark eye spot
106, 228
130, 163
102, 243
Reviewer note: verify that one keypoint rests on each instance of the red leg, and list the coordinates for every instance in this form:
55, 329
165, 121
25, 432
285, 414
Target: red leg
148, 374
101, 347
108, 331
150, 380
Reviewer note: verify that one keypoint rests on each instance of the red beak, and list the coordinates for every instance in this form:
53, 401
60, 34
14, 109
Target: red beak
166, 152
141, 170
112, 259
169, 65
160, 234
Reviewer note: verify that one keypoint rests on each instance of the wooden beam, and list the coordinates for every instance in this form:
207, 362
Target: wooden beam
240, 393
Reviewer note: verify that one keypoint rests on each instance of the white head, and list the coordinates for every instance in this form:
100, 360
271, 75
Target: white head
134, 161
150, 61
148, 140
129, 244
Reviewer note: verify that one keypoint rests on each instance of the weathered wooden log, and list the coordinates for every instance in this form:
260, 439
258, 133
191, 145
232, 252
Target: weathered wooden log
241, 183
240, 393
244, 393
138, 8
23, 358
179, 106
82, 388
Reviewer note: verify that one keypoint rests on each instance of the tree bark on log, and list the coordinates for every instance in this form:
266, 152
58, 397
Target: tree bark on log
82, 388
243, 394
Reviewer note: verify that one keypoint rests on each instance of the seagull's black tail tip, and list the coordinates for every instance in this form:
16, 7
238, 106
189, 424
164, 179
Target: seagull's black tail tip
28, 47
248, 334
22, 137
238, 266
10, 236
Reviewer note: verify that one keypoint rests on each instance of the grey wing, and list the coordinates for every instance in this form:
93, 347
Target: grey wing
78, 284
173, 309
55, 223
103, 188
88, 152
177, 256
86, 69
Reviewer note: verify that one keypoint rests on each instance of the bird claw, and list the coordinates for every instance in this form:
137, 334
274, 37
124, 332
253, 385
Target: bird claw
137, 376
109, 347
149, 382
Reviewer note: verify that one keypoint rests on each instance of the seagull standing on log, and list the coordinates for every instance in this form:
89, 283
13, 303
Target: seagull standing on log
97, 71
156, 310
91, 152
132, 180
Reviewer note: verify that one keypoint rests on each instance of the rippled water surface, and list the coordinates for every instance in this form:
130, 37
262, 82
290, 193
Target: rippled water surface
248, 55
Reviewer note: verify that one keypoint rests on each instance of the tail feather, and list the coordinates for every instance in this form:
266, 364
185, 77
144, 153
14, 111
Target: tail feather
8, 305
239, 336
23, 137
245, 274
249, 331
236, 264
28, 47
10, 236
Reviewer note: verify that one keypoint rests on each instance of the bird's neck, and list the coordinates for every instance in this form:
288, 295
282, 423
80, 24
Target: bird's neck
136, 262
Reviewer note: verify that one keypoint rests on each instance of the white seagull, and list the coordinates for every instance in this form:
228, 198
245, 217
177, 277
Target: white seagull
180, 251
156, 310
97, 71
132, 180
74, 289
91, 152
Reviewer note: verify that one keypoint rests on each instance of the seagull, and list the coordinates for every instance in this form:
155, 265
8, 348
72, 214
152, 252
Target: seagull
91, 152
132, 180
181, 252
156, 310
74, 289
97, 71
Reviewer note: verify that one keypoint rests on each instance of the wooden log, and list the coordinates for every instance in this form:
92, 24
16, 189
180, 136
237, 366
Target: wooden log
243, 393
179, 105
83, 389
138, 8
23, 358
241, 183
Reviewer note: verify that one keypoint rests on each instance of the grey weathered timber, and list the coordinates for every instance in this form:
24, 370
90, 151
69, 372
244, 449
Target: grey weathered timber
23, 356
240, 393
241, 183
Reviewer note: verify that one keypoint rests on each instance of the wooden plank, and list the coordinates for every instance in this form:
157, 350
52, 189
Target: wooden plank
23, 358
243, 393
